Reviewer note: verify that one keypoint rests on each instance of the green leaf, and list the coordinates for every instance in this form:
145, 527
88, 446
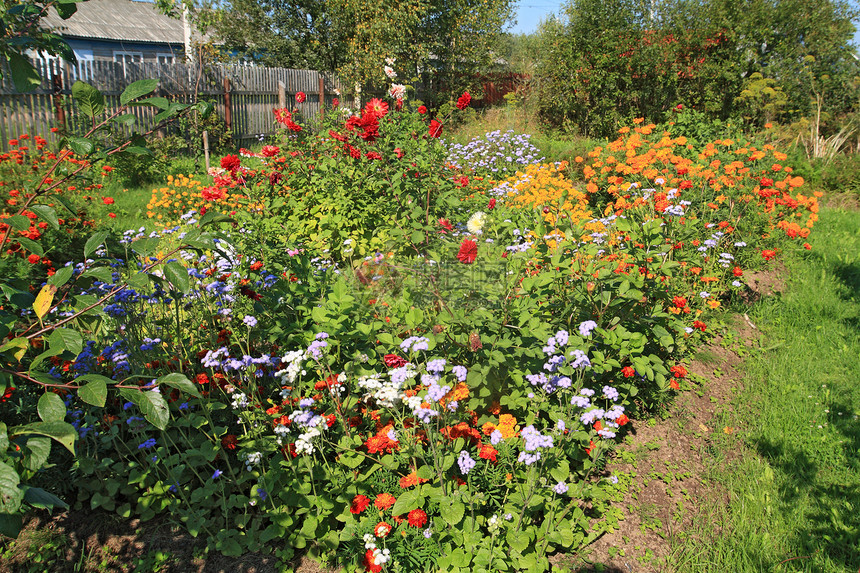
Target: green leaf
452, 513
104, 274
31, 246
159, 102
178, 276
406, 502
11, 495
90, 101
94, 242
94, 392
4, 438
80, 145
19, 344
51, 408
138, 89
139, 150
180, 382
138, 280
62, 432
66, 339
37, 497
37, 451
65, 11
24, 75
11, 524
19, 222
151, 405
125, 119
62, 276
204, 108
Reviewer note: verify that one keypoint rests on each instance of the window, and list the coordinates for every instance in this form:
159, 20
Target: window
165, 59
127, 58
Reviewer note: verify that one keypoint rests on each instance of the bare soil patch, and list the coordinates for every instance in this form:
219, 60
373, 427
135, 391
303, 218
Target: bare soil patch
666, 459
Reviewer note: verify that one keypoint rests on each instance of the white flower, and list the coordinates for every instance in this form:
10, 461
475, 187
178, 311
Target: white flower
476, 223
397, 91
389, 71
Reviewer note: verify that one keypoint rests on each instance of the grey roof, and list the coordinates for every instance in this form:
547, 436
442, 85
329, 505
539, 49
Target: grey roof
126, 20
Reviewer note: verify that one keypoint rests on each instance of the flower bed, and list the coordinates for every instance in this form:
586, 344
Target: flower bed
367, 367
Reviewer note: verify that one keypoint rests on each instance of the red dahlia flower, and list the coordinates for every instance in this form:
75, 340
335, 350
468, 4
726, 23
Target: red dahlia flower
377, 107
422, 109
468, 252
435, 129
301, 97
446, 225
270, 150
492, 204
230, 162
464, 100
33, 259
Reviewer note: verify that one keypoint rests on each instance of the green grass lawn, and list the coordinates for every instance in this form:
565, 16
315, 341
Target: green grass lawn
791, 472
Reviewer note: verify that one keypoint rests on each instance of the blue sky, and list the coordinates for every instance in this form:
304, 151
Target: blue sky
531, 12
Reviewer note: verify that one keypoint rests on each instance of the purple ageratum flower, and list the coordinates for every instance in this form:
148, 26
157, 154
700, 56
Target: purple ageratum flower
538, 379
610, 393
586, 327
496, 437
250, 321
437, 365
321, 336
553, 363
528, 458
561, 337
560, 488
580, 401
580, 359
465, 462
587, 392
424, 414
436, 392
428, 533
315, 349
591, 416
416, 343
217, 474
150, 443
534, 439
460, 372
560, 425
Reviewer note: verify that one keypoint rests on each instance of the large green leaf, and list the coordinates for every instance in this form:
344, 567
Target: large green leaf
51, 408
138, 89
180, 382
178, 276
37, 497
36, 452
90, 101
151, 404
94, 392
47, 213
80, 145
11, 524
11, 495
67, 339
24, 75
4, 438
62, 276
62, 432
94, 242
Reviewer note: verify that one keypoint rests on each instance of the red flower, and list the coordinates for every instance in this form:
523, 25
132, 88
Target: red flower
679, 301
768, 254
435, 129
230, 162
807, 246
422, 109
359, 504
622, 419
393, 361
492, 204
417, 518
282, 115
678, 371
335, 102
468, 252
377, 107
301, 97
229, 442
446, 225
464, 100
369, 564
108, 201
766, 182
33, 259
270, 150
628, 371
373, 155
213, 194
590, 447
383, 501
112, 215
488, 452
687, 184
737, 271
700, 325
202, 379
673, 384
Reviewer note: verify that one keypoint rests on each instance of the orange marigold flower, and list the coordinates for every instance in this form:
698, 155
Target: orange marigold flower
678, 371
359, 504
488, 452
417, 518
383, 501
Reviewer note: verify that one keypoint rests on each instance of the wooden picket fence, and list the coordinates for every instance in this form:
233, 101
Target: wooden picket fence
244, 96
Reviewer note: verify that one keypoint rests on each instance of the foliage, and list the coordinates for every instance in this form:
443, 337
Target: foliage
610, 62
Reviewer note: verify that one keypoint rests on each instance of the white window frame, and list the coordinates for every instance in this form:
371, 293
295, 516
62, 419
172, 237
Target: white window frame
122, 60
170, 58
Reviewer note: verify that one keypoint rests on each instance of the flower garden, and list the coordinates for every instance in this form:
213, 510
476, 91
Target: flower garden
366, 345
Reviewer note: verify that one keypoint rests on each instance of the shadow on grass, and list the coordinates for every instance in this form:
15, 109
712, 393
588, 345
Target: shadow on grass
832, 524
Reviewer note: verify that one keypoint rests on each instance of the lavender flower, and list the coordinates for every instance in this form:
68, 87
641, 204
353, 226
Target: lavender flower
560, 488
250, 321
586, 327
460, 372
465, 462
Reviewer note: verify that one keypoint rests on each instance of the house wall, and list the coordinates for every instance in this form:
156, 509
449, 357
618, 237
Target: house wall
105, 50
